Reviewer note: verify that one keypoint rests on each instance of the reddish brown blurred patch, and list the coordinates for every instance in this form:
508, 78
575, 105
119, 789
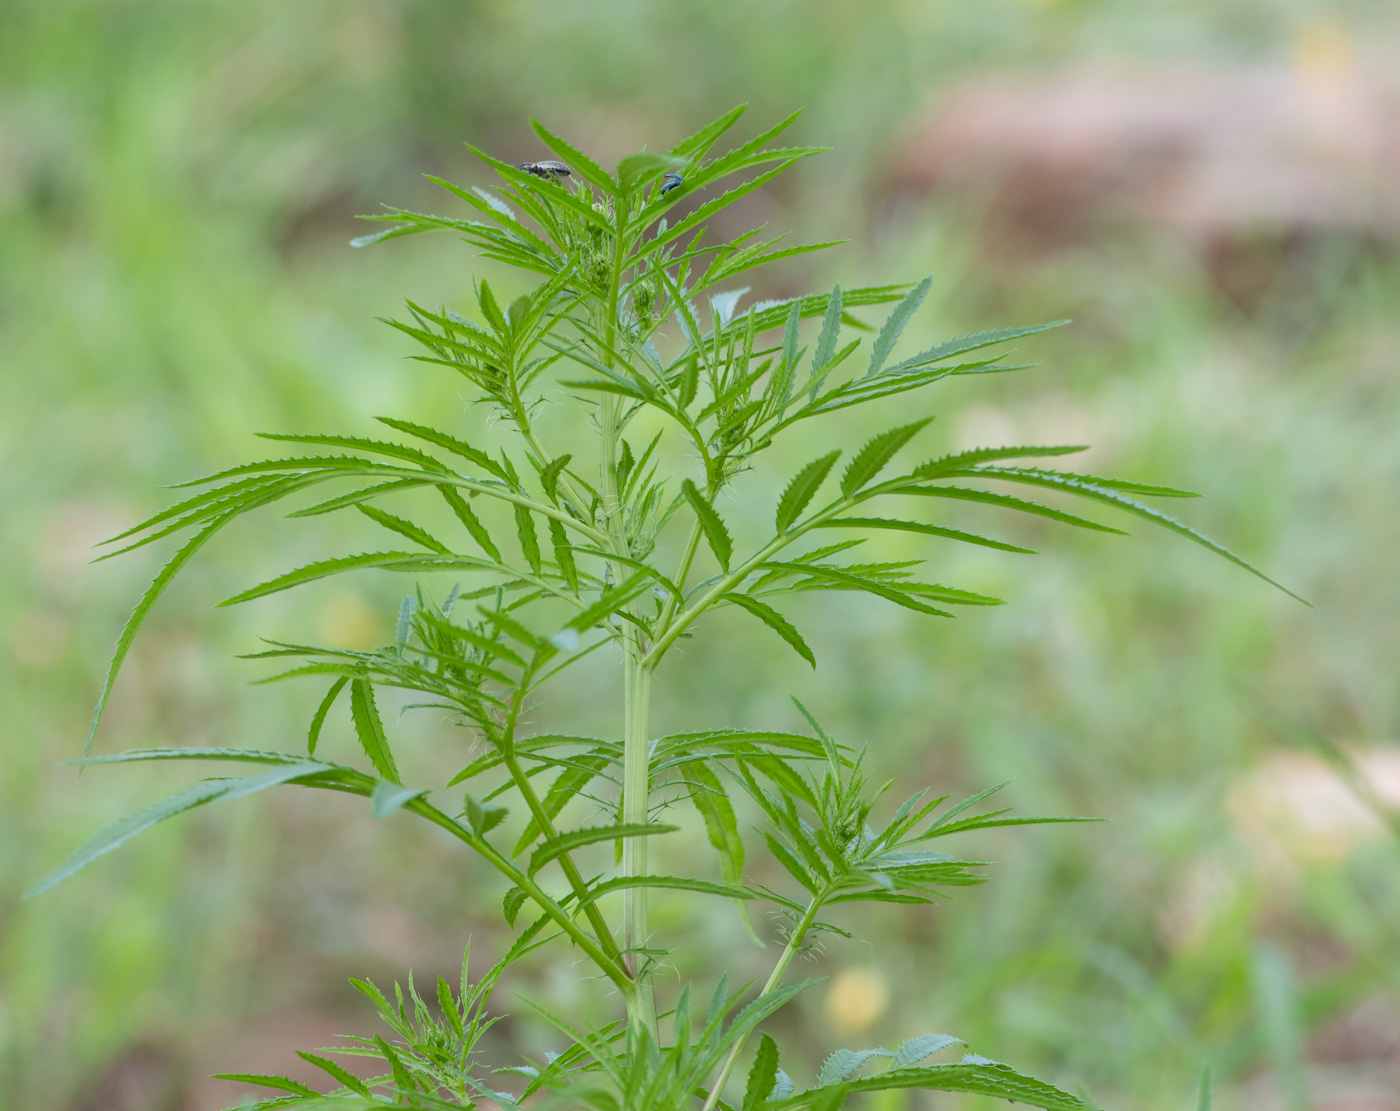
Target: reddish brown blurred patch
1368, 1032
143, 1077
269, 1047
1243, 167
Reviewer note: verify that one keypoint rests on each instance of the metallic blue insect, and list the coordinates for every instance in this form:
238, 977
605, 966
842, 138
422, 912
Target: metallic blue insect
671, 181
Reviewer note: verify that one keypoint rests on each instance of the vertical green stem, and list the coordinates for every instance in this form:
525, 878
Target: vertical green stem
636, 778
636, 787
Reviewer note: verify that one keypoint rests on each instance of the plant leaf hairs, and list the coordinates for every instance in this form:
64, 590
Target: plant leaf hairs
554, 552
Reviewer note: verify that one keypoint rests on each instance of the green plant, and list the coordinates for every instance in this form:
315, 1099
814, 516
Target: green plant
589, 522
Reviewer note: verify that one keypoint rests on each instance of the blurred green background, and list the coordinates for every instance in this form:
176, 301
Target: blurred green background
178, 182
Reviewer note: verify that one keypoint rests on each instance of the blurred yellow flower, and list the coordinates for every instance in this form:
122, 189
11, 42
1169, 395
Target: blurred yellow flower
856, 1000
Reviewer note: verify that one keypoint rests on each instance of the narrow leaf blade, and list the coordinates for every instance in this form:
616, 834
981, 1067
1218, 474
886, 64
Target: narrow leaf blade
872, 458
802, 489
895, 324
775, 621
369, 728
716, 534
123, 830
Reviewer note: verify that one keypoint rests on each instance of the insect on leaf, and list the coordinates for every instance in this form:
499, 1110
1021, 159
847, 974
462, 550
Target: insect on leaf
581, 164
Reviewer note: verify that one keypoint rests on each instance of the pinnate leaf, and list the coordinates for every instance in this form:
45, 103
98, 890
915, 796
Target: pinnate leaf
579, 162
802, 489
404, 528
277, 1083
388, 797
680, 883
557, 846
402, 561
1005, 501
464, 513
716, 534
762, 1075
895, 324
696, 145
1089, 487
977, 340
708, 796
927, 530
123, 830
369, 728
845, 1063
828, 337
450, 443
331, 1069
775, 621
916, 1049
318, 719
871, 459
143, 607
973, 1075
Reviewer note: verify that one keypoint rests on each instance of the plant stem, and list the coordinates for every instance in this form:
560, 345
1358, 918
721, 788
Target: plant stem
636, 787
789, 951
611, 968
636, 684
682, 573
666, 636
505, 742
571, 872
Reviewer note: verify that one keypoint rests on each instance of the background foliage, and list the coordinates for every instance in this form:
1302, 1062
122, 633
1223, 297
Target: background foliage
176, 188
